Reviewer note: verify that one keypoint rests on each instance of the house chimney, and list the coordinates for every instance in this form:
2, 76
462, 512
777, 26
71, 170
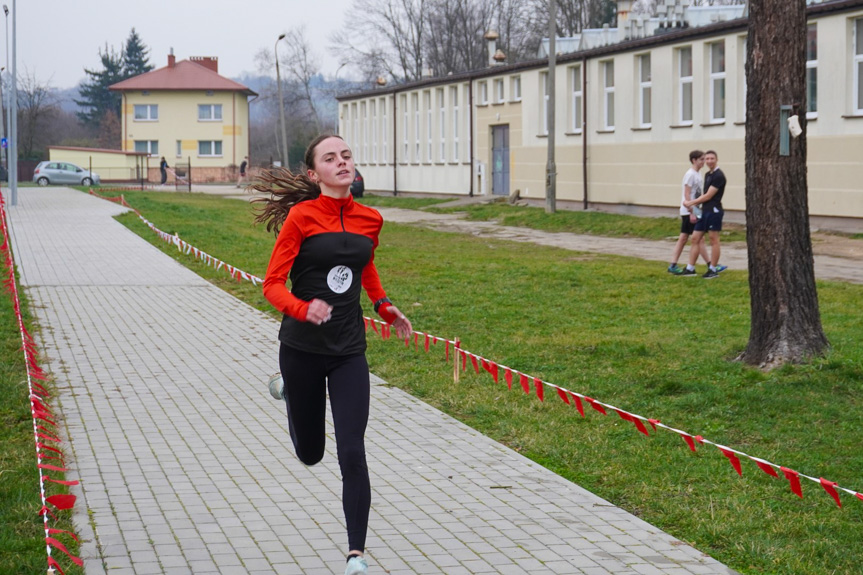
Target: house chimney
171, 60
624, 8
492, 37
209, 62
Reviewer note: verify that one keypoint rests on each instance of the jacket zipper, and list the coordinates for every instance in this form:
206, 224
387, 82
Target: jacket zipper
342, 217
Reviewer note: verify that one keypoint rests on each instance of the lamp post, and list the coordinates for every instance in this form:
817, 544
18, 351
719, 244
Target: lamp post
281, 105
336, 82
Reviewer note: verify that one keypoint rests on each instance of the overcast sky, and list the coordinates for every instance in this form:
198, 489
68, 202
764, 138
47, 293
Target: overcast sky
57, 39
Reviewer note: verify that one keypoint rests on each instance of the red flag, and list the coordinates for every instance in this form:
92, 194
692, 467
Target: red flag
58, 531
859, 496
492, 368
54, 565
447, 351
578, 404
46, 478
61, 500
793, 480
427, 342
474, 362
639, 425
735, 462
593, 403
623, 415
374, 326
653, 423
416, 341
537, 383
507, 375
688, 439
768, 469
563, 395
54, 543
830, 488
51, 467
366, 322
463, 360
522, 379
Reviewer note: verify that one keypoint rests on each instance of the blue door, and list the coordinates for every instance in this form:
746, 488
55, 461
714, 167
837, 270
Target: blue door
500, 160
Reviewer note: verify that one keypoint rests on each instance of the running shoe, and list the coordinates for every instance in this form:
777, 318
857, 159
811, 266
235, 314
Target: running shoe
356, 566
277, 386
688, 273
675, 269
710, 275
720, 269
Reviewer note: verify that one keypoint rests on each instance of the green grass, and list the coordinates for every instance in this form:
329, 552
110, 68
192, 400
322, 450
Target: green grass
22, 535
401, 201
623, 331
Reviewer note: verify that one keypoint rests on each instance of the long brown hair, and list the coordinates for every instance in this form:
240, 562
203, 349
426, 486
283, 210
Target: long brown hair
286, 189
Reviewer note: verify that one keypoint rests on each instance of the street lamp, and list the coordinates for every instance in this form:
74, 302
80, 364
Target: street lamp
336, 82
281, 104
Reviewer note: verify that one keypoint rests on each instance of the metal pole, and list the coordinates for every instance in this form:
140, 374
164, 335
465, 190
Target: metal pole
7, 126
13, 121
551, 176
281, 105
2, 123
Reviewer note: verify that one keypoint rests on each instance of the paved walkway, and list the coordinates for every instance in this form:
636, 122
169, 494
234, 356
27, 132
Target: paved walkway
183, 457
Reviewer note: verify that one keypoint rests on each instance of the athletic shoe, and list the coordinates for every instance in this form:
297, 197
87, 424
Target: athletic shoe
356, 566
277, 386
675, 269
720, 269
688, 273
710, 274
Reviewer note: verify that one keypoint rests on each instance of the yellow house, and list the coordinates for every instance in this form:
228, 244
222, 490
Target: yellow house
189, 114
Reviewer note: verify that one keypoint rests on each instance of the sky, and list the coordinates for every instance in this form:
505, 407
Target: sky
57, 39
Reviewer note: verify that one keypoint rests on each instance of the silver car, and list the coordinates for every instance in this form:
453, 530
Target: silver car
63, 173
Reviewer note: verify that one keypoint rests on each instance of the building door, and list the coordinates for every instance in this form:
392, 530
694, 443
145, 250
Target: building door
500, 160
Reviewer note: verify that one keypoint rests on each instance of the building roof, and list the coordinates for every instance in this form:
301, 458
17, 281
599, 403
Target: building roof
99, 150
184, 75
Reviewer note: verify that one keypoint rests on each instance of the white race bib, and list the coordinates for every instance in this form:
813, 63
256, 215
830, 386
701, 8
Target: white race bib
339, 279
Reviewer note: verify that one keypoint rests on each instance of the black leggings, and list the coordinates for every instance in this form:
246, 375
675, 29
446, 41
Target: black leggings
307, 376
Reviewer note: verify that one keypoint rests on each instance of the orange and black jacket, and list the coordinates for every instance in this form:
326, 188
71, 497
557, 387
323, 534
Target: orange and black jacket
327, 246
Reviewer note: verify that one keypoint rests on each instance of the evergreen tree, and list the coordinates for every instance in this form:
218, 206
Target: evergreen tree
136, 57
96, 98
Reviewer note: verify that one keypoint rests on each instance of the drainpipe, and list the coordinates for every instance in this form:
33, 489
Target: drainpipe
584, 126
470, 132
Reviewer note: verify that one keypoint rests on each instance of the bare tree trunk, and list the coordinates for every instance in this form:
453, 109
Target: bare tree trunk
786, 324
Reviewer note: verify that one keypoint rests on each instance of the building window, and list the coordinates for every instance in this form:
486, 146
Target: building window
146, 112
483, 93
717, 81
441, 125
374, 130
355, 131
384, 129
543, 110
179, 148
576, 99
415, 97
429, 125
209, 112
515, 88
210, 148
498, 91
149, 147
454, 94
858, 66
364, 132
644, 90
405, 128
812, 71
741, 66
608, 94
685, 86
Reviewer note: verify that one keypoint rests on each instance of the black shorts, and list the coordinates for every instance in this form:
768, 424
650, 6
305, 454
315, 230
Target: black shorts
686, 227
710, 221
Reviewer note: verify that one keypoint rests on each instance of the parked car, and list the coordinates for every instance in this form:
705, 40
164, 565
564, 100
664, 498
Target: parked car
358, 186
64, 173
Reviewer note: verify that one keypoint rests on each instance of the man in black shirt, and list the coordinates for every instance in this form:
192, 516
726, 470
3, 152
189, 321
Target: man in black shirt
711, 221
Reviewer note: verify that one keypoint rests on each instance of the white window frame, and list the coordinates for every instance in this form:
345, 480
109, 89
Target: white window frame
373, 123
685, 83
208, 111
179, 148
576, 99
543, 109
385, 132
717, 78
151, 145
645, 88
427, 101
151, 112
441, 124
214, 145
515, 89
453, 91
483, 93
498, 91
857, 75
405, 129
364, 126
415, 99
812, 68
608, 94
355, 131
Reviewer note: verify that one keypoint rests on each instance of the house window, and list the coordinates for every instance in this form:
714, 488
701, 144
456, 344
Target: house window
441, 125
355, 130
179, 148
209, 112
385, 132
741, 67
454, 94
211, 148
644, 90
543, 110
858, 66
364, 122
149, 147
576, 98
415, 97
429, 125
608, 94
685, 86
483, 93
812, 71
405, 128
717, 81
498, 91
374, 130
146, 112
515, 88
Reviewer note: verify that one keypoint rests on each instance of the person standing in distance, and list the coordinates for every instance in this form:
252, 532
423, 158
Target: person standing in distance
163, 169
243, 165
692, 188
326, 244
711, 219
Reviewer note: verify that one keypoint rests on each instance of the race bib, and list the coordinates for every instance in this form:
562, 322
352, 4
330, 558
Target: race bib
339, 279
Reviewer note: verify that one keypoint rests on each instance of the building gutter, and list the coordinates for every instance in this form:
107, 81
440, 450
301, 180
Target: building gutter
470, 134
584, 127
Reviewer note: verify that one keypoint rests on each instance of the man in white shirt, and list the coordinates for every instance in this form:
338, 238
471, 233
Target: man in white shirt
692, 188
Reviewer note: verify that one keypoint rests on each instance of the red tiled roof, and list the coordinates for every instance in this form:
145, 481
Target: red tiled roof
184, 75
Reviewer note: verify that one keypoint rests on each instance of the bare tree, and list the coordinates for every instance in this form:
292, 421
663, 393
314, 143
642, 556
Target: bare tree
302, 65
37, 107
786, 323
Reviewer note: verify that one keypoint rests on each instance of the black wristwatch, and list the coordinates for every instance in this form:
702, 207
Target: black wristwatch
381, 302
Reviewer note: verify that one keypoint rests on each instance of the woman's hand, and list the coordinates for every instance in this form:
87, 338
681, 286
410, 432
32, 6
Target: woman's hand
401, 323
319, 312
